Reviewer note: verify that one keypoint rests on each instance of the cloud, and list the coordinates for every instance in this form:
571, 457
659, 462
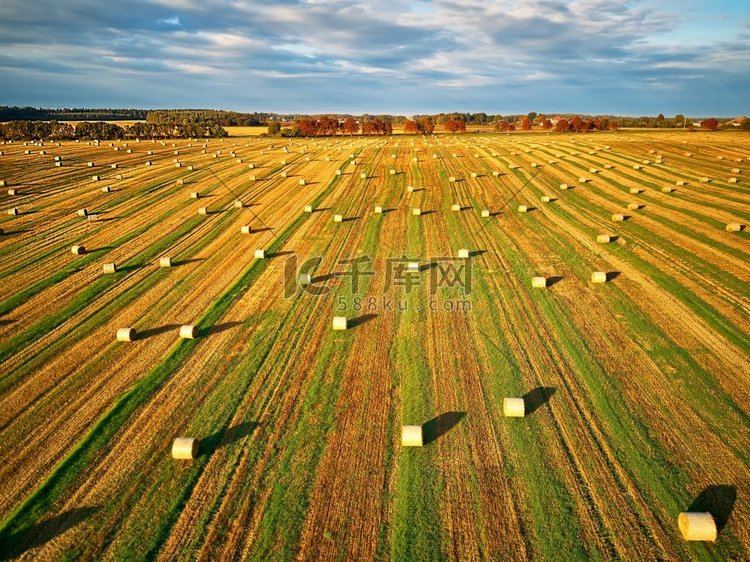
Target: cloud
398, 55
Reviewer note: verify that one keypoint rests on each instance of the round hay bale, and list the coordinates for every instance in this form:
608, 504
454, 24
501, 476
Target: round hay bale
308, 209
633, 206
474, 175
412, 267
89, 164
732, 180
705, 180
523, 209
416, 212
514, 407
195, 195
185, 448
363, 176
246, 229
126, 334
451, 179
635, 190
546, 199
338, 172
392, 172
238, 204
564, 186
77, 250
203, 211
667, 189
95, 178
338, 218
583, 180
260, 254
301, 182
618, 217
305, 279
538, 282
410, 188
180, 182
485, 213
495, 173
603, 238
339, 323
608, 166
188, 332
378, 210
455, 207
82, 212
12, 191
191, 168
106, 189
735, 227
411, 436
463, 253
697, 526
679, 182
110, 268
735, 170
599, 277
165, 262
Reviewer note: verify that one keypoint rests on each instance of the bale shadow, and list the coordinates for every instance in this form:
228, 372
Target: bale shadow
359, 320
264, 229
475, 253
187, 261
625, 218
614, 238
349, 219
152, 332
218, 328
427, 266
612, 275
279, 254
419, 189
531, 209
496, 214
467, 208
535, 399
718, 500
225, 436
321, 209
440, 425
131, 267
322, 278
554, 279
425, 213
386, 211
15, 544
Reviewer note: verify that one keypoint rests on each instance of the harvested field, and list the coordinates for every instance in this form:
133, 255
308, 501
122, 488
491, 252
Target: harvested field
632, 395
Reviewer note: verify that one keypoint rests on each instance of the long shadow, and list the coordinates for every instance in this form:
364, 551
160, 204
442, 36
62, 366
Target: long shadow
554, 279
38, 534
614, 238
264, 229
225, 436
427, 266
612, 275
386, 211
187, 261
17, 231
349, 219
466, 208
322, 278
475, 253
718, 500
131, 267
535, 399
425, 213
320, 210
218, 328
278, 254
496, 214
151, 332
102, 249
440, 425
419, 189
359, 320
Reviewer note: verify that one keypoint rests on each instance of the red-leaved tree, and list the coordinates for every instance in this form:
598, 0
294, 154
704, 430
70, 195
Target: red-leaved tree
710, 124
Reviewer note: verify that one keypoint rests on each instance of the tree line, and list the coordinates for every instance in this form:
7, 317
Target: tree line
89, 130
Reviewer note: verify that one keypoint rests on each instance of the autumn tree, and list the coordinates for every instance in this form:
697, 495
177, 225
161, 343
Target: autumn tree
525, 123
455, 126
350, 126
562, 126
426, 126
410, 127
274, 127
546, 124
504, 126
710, 124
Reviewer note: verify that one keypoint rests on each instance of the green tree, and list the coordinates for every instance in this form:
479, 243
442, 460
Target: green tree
274, 127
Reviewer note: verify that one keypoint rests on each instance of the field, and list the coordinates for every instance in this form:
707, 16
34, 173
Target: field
637, 390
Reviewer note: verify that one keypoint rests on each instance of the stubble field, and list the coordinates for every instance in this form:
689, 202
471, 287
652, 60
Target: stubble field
637, 390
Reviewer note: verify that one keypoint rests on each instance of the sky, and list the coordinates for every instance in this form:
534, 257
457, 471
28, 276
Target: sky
625, 57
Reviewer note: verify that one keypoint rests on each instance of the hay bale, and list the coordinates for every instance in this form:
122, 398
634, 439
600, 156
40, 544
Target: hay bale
593, 171
583, 180
416, 212
667, 189
618, 217
679, 182
412, 267
523, 209
411, 436
338, 218
720, 158
180, 182
284, 174
126, 334
308, 209
608, 166
392, 172
564, 186
514, 407
410, 188
191, 168
113, 166
463, 253
735, 227
12, 191
82, 212
732, 180
451, 179
58, 164
110, 268
485, 213
538, 282
455, 207
118, 177
188, 332
95, 178
106, 189
305, 279
89, 164
633, 206
736, 170
78, 250
165, 262
339, 323
599, 277
474, 175
689, 154
697, 526
195, 195
704, 179
495, 173
363, 176
547, 199
635, 190
260, 254
338, 172
246, 229
603, 238
148, 162
185, 448
203, 211
238, 204
301, 182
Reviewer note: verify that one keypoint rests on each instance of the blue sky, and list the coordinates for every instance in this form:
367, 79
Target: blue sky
380, 56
